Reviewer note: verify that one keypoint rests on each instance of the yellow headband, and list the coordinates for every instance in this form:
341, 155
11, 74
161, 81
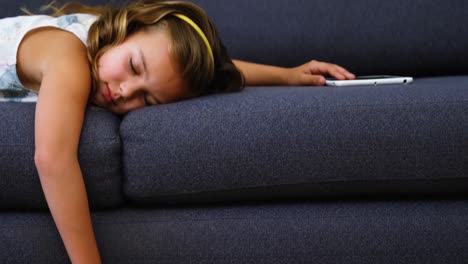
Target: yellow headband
199, 31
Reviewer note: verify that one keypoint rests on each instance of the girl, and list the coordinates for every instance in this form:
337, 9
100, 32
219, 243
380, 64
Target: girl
146, 53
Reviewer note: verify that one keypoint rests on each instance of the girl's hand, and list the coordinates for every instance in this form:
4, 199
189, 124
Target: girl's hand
314, 72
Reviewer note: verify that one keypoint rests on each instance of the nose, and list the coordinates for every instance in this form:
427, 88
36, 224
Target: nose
127, 90
128, 97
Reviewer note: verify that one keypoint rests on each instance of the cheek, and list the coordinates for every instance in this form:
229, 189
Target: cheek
110, 68
127, 106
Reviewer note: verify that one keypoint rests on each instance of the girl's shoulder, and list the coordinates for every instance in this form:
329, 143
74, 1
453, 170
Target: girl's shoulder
61, 21
79, 24
48, 46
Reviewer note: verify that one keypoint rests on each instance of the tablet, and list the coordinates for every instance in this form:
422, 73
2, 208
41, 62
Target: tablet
370, 80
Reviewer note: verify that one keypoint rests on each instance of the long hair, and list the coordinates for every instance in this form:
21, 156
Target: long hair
114, 25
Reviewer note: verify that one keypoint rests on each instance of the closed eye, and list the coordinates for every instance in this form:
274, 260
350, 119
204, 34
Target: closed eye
132, 66
147, 103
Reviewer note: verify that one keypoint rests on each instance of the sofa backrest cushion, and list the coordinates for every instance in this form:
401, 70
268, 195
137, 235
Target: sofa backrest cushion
400, 37
417, 38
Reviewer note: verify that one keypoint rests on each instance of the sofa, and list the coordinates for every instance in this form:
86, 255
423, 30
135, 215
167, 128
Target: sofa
362, 174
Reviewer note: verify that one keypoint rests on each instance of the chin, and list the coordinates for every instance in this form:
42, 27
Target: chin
97, 101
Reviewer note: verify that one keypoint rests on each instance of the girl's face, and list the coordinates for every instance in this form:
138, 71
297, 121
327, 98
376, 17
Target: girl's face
139, 72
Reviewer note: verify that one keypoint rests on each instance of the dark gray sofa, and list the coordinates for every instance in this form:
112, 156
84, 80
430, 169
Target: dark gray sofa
275, 174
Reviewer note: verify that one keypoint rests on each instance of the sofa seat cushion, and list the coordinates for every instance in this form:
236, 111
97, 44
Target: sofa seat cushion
99, 156
351, 231
295, 142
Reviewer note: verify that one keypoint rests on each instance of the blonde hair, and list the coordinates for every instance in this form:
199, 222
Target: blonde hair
202, 74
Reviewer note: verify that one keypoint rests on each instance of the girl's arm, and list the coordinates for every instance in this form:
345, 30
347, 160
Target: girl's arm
311, 73
57, 60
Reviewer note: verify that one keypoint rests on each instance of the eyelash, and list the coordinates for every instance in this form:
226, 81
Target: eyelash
146, 101
132, 67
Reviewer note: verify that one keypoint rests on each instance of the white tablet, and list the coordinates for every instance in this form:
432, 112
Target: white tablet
370, 80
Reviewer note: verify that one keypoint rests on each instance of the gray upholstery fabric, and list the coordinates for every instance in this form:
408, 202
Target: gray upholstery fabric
301, 141
370, 231
274, 144
99, 156
417, 38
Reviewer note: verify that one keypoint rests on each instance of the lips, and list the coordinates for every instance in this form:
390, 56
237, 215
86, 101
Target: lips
108, 95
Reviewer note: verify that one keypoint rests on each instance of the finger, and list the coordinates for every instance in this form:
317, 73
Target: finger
346, 73
337, 73
331, 69
324, 68
310, 79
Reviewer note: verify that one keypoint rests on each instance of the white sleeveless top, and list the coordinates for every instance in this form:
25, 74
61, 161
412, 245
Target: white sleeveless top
12, 31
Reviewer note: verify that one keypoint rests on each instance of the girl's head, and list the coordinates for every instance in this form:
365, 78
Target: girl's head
151, 52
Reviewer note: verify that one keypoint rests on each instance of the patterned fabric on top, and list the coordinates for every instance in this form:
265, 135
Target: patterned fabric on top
12, 31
